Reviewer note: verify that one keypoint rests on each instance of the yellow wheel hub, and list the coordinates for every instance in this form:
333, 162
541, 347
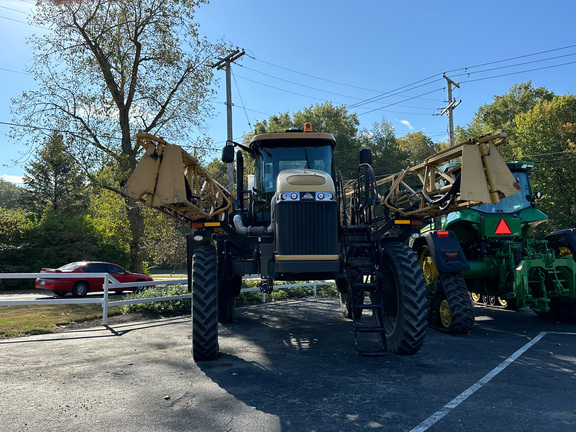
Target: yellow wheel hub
564, 251
428, 266
502, 302
445, 314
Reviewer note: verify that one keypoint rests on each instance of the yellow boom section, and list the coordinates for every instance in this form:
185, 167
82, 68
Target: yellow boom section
424, 190
169, 179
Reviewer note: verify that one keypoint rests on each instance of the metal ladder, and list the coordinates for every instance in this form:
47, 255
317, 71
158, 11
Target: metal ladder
363, 281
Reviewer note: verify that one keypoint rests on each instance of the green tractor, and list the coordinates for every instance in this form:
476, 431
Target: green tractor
508, 266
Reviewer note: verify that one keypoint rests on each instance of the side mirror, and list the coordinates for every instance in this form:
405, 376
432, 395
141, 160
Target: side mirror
228, 154
366, 156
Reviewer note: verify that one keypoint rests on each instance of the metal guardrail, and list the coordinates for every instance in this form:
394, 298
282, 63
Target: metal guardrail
110, 283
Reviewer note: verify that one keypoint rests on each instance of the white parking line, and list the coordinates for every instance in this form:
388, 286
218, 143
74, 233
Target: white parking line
485, 379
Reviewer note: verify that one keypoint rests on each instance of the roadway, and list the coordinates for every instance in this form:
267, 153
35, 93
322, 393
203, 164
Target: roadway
292, 366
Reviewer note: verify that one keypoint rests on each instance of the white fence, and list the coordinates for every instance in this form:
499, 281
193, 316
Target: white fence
109, 284
112, 284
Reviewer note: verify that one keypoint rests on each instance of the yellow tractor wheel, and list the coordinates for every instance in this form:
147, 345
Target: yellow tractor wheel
428, 266
445, 314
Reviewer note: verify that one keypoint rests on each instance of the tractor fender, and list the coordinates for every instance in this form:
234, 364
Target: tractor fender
565, 237
445, 249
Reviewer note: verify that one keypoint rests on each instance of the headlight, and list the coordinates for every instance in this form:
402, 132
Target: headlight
320, 196
294, 196
283, 196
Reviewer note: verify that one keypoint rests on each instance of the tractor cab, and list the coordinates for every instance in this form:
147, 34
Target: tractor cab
522, 172
513, 217
303, 152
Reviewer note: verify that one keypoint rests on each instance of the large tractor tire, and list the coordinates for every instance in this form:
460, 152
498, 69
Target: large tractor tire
402, 291
452, 310
204, 303
456, 312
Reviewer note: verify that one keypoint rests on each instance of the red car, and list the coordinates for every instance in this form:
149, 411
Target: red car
81, 285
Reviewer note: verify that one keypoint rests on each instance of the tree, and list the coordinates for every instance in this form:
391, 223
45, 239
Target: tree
324, 118
53, 180
387, 156
501, 114
9, 195
417, 146
107, 69
546, 134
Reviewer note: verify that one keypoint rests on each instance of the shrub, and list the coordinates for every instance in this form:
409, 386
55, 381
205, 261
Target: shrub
169, 307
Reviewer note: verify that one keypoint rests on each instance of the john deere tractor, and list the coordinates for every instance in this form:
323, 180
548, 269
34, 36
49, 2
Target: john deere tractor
509, 267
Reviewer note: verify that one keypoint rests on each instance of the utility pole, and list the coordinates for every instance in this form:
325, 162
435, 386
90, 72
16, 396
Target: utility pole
221, 64
451, 105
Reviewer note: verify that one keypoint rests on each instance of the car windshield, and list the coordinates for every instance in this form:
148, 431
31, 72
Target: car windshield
276, 159
72, 266
514, 203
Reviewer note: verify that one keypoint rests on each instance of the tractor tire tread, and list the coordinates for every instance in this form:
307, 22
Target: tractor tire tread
461, 306
204, 304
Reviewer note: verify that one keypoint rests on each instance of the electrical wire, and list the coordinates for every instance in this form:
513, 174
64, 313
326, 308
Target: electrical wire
241, 100
516, 64
512, 58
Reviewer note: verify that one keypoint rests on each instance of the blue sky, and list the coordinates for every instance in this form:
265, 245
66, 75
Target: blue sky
300, 53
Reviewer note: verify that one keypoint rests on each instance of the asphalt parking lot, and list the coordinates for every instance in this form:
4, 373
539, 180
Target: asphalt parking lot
292, 366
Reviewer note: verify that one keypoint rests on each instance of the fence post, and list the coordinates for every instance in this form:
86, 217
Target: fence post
314, 288
105, 302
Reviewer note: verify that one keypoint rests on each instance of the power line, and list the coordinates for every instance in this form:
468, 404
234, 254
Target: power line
520, 72
23, 22
14, 10
241, 100
298, 84
424, 81
311, 76
395, 103
517, 64
15, 71
513, 58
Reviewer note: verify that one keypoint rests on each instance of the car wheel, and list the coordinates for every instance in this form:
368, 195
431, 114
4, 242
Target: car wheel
139, 289
80, 289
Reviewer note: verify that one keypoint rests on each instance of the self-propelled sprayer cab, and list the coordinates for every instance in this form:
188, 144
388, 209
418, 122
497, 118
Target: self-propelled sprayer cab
306, 156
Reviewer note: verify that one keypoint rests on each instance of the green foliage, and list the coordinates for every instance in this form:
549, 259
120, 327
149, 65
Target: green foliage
546, 135
53, 180
169, 307
324, 118
61, 239
417, 147
16, 231
164, 242
105, 70
387, 156
501, 114
9, 195
219, 171
278, 294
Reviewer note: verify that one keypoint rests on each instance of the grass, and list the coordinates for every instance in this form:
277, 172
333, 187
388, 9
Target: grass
18, 321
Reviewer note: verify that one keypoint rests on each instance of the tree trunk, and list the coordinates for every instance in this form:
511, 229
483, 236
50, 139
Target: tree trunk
136, 220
